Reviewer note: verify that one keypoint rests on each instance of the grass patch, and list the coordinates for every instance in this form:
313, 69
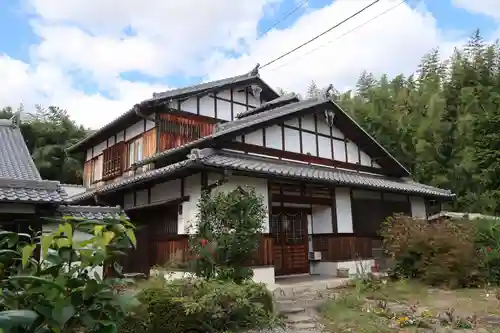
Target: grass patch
377, 306
344, 314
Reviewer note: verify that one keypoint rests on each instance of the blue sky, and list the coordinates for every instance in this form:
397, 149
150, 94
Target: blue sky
18, 35
58, 54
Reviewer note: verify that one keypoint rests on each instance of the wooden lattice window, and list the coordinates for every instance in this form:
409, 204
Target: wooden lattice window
113, 161
176, 130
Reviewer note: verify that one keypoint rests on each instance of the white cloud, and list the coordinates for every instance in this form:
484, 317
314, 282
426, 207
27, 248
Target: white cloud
392, 43
486, 7
100, 40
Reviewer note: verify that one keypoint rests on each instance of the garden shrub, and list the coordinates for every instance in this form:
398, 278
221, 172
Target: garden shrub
488, 247
442, 252
227, 235
201, 305
56, 293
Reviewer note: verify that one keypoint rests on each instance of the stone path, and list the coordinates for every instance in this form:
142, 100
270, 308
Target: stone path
298, 306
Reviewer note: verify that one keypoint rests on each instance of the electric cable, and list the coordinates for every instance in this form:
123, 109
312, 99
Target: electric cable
321, 34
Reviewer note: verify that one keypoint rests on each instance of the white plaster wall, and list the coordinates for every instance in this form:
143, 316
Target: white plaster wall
264, 275
207, 104
418, 207
99, 148
165, 191
320, 146
73, 190
274, 137
134, 130
358, 267
260, 274
323, 268
149, 123
292, 140
259, 184
187, 219
78, 236
344, 212
224, 107
321, 219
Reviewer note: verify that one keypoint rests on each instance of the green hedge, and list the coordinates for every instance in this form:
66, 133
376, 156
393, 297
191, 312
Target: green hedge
185, 305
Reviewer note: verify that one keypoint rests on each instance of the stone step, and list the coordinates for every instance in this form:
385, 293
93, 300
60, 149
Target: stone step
291, 310
304, 326
300, 318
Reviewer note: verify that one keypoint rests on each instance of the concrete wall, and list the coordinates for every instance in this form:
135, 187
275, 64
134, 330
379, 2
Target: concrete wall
260, 274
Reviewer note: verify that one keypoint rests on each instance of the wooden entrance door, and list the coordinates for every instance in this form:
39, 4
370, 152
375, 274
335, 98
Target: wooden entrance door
289, 231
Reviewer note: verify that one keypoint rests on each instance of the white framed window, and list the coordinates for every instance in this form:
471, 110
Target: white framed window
135, 151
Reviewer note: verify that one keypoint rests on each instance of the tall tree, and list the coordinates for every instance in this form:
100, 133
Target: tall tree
48, 132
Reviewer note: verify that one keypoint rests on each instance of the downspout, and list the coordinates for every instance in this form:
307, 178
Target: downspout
224, 179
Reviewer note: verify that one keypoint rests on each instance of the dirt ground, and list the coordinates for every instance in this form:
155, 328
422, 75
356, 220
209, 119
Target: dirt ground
406, 306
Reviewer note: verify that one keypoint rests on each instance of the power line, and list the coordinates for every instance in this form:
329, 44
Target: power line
337, 38
321, 34
282, 19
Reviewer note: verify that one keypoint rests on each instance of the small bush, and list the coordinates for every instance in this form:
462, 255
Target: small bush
488, 247
229, 227
201, 305
443, 252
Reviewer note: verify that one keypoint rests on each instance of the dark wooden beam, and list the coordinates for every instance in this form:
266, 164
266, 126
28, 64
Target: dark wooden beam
303, 158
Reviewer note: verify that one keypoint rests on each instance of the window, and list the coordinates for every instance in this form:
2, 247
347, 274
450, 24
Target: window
134, 151
113, 161
93, 171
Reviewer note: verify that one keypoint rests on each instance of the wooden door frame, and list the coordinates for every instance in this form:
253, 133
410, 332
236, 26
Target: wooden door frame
283, 210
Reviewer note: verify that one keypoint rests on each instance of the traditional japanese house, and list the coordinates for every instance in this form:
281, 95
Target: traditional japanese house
327, 183
26, 200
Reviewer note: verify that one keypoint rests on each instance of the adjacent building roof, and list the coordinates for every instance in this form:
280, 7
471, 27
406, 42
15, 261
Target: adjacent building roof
269, 167
277, 102
20, 180
91, 212
459, 215
207, 87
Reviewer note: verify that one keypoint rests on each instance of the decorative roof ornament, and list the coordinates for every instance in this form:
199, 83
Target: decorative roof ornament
329, 91
256, 90
255, 70
329, 114
16, 118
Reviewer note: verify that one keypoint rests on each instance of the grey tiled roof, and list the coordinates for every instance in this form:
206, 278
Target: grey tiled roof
20, 180
15, 159
273, 167
91, 212
238, 124
145, 176
175, 93
244, 162
203, 86
31, 191
277, 102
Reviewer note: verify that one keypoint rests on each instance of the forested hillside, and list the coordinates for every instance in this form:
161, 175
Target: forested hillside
442, 123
